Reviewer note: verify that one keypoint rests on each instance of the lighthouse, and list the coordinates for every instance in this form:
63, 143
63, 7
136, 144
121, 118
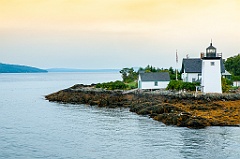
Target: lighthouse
211, 71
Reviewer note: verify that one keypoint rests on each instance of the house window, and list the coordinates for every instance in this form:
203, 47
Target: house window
193, 79
155, 83
212, 63
199, 77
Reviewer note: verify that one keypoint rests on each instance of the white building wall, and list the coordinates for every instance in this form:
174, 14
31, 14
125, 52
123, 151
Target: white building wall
189, 77
184, 77
211, 76
151, 85
236, 83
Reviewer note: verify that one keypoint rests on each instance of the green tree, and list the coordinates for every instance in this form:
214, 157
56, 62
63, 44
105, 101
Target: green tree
171, 71
232, 64
129, 75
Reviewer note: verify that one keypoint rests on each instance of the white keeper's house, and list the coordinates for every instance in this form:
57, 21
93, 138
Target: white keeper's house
153, 80
208, 69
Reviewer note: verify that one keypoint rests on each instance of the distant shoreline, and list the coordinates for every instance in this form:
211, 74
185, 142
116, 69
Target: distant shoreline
12, 68
81, 70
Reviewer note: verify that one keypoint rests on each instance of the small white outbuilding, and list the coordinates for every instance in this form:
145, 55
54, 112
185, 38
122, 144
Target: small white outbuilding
153, 80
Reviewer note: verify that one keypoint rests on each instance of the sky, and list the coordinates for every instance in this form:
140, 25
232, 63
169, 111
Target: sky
97, 34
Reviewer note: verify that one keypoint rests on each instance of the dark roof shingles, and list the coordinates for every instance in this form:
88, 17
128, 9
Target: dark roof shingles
194, 65
156, 76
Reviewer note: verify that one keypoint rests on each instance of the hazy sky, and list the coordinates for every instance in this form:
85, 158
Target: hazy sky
115, 33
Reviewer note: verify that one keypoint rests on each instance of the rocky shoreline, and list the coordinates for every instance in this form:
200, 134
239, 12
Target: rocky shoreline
171, 108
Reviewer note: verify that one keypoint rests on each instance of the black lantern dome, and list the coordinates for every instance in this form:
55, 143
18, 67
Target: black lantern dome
211, 51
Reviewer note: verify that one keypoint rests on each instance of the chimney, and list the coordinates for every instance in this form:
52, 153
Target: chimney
202, 55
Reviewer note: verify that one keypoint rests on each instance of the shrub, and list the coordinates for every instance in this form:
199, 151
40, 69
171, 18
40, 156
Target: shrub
180, 85
189, 86
225, 85
112, 85
132, 85
174, 85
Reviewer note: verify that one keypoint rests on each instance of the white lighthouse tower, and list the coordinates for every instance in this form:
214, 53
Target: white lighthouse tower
211, 71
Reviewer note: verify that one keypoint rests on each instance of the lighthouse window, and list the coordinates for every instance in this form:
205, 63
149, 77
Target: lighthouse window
212, 63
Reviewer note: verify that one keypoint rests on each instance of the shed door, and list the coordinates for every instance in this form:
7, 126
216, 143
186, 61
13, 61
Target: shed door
139, 84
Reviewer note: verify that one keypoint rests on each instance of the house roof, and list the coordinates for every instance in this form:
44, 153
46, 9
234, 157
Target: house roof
194, 65
155, 76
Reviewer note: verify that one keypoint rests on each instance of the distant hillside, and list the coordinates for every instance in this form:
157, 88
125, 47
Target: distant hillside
9, 68
81, 70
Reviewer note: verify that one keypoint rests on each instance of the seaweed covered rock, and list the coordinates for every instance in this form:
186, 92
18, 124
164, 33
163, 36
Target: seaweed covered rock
180, 109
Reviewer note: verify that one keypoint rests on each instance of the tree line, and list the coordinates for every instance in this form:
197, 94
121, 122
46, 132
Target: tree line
130, 75
232, 65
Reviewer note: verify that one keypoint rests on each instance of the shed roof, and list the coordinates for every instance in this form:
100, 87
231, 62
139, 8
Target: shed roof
155, 76
194, 65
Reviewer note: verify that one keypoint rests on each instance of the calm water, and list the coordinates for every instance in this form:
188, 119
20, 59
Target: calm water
31, 127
